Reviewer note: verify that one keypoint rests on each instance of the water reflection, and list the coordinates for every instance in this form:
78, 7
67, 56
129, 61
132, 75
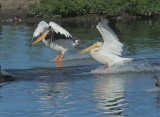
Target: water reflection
53, 94
59, 64
158, 100
109, 91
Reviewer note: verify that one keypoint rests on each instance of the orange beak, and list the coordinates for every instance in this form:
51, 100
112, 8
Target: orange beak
40, 38
89, 48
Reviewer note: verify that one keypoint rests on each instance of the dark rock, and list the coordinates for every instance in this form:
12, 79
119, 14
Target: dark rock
6, 78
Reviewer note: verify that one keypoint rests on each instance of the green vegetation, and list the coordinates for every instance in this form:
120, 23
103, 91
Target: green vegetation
80, 7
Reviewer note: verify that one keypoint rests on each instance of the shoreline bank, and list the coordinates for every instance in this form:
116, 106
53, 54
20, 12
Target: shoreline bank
22, 16
17, 11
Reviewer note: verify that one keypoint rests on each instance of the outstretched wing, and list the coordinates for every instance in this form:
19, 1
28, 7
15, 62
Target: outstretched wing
111, 42
54, 32
41, 28
59, 32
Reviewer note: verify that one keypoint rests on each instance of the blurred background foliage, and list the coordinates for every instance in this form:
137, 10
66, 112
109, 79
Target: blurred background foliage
65, 8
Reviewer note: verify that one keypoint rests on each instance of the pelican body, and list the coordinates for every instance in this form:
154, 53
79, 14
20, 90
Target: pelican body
54, 37
109, 52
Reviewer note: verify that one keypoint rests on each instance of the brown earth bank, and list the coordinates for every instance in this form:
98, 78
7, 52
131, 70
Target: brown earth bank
16, 11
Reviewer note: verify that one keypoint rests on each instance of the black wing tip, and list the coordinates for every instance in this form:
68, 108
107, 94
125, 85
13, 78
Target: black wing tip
28, 44
61, 36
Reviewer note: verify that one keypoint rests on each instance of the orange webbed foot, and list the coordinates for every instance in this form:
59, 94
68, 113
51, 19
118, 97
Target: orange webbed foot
107, 68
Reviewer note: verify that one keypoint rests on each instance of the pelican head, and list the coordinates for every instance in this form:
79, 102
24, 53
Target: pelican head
96, 45
40, 38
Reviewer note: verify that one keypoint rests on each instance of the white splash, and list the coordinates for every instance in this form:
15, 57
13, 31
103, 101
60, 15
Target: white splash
133, 66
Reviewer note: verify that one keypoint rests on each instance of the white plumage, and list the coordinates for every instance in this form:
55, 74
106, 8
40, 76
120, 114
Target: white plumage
42, 26
109, 52
59, 29
111, 43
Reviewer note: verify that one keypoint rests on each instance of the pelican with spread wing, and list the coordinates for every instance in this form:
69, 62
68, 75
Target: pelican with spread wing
55, 37
109, 52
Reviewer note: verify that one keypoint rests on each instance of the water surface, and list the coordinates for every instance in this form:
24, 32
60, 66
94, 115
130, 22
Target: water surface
80, 87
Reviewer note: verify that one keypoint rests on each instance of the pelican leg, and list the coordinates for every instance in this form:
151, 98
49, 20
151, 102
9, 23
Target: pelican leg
107, 68
61, 57
56, 58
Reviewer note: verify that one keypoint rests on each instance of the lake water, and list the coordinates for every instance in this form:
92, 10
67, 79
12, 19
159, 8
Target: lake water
80, 88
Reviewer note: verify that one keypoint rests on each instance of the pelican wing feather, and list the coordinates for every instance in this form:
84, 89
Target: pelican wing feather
111, 42
42, 26
59, 29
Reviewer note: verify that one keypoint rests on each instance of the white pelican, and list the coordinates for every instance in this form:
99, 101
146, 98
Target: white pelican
55, 37
109, 52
